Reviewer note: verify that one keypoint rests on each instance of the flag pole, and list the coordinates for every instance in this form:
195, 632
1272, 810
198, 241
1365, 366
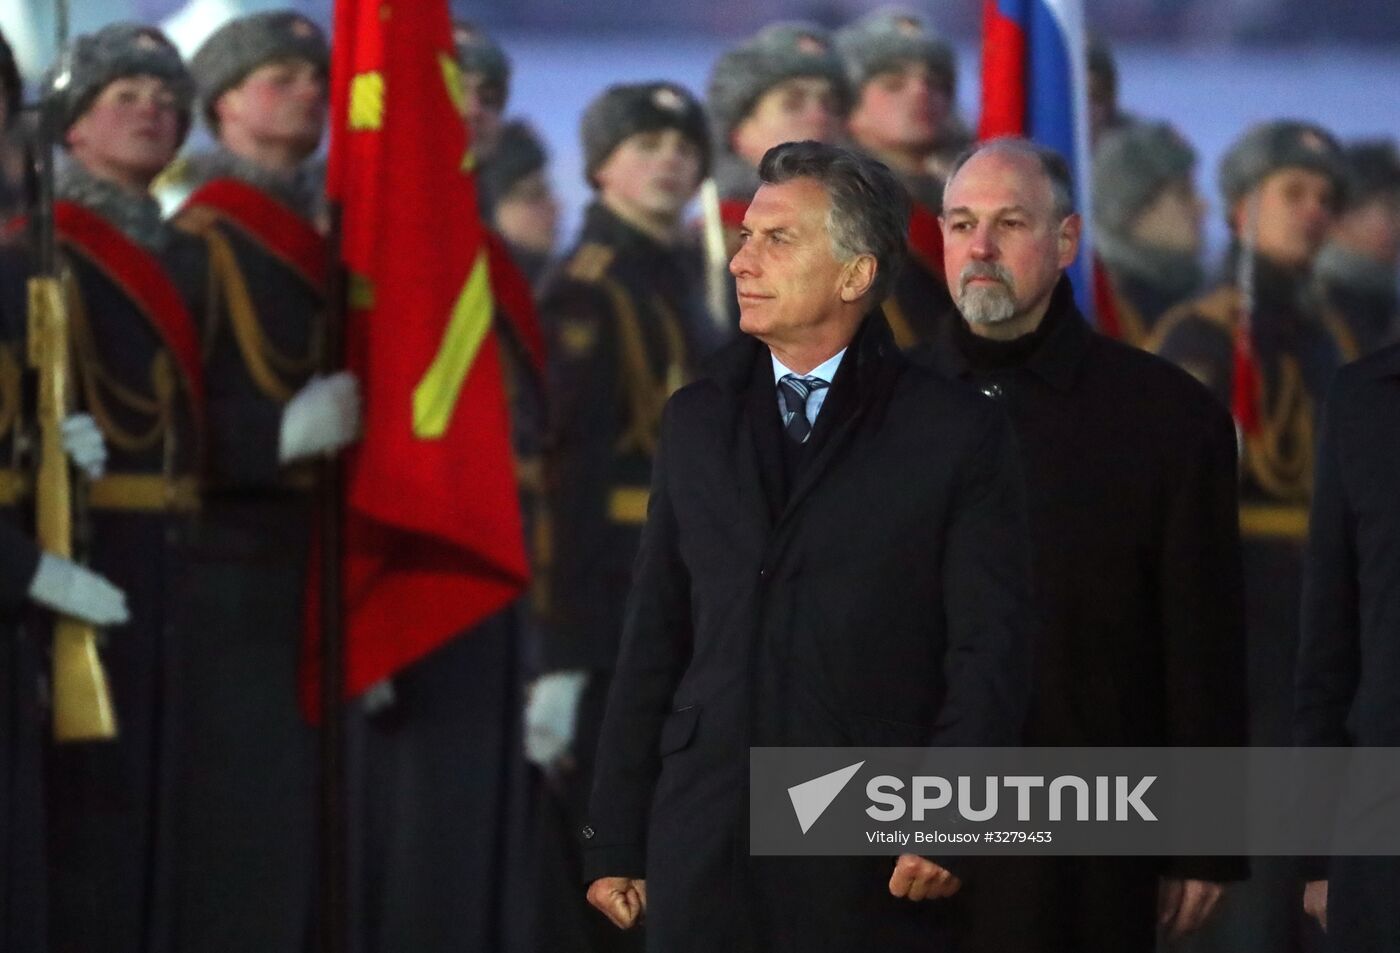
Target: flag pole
333, 895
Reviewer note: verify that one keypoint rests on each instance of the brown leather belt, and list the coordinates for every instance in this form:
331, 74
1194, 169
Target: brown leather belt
143, 492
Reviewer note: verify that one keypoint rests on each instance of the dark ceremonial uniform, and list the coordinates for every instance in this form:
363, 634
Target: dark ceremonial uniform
920, 308
137, 371
246, 816
626, 325
1298, 344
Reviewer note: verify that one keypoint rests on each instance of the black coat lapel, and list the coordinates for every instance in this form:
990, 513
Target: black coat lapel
763, 432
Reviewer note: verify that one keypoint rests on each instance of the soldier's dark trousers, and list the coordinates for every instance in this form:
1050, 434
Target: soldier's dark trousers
247, 788
110, 843
438, 803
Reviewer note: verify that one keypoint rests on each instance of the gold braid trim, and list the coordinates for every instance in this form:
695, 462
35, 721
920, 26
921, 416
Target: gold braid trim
98, 383
645, 395
267, 366
9, 389
1341, 334
904, 337
1280, 455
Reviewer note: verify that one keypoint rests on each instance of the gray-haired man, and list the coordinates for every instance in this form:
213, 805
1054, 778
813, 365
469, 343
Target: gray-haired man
782, 524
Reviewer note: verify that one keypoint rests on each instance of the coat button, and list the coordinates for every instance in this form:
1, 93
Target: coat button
993, 391
763, 574
587, 832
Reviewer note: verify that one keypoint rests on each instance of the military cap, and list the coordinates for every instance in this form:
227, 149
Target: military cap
889, 38
629, 108
90, 62
1281, 144
518, 154
1373, 168
243, 44
9, 78
777, 53
1131, 165
477, 52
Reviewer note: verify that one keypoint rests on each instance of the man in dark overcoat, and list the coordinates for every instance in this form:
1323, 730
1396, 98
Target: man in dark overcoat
1348, 687
1130, 481
834, 554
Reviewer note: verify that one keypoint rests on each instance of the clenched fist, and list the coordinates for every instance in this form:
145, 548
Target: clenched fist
622, 899
919, 878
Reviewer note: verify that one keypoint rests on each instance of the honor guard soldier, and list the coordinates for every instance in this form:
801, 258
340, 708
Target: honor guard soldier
485, 85
903, 85
1267, 344
120, 100
438, 776
626, 326
518, 201
1359, 264
1147, 225
784, 84
246, 819
30, 576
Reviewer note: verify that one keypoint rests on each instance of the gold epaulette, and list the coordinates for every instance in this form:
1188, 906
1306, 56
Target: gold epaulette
1220, 308
591, 262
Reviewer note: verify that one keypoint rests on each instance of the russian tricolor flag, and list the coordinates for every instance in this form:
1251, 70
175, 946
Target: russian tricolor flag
1035, 84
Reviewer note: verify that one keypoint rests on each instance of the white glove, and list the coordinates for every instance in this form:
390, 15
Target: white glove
322, 418
551, 717
82, 441
66, 587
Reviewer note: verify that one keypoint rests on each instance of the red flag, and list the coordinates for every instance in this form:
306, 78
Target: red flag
433, 537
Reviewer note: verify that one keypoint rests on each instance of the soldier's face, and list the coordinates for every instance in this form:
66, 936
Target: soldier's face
789, 281
1372, 229
129, 133
528, 216
901, 110
1294, 211
485, 102
1004, 247
795, 110
653, 173
1172, 221
280, 103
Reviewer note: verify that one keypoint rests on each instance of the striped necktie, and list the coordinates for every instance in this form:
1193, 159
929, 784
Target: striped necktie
793, 392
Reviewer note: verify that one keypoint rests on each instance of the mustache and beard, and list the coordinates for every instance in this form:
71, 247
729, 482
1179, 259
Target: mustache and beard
986, 304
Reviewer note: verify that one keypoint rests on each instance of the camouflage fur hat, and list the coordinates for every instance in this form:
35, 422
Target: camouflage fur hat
90, 62
1131, 165
887, 39
777, 53
242, 45
1282, 144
